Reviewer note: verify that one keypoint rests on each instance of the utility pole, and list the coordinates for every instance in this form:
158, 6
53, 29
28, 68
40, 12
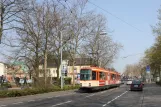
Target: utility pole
61, 69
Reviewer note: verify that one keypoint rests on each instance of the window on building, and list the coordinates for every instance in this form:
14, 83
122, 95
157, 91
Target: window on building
93, 75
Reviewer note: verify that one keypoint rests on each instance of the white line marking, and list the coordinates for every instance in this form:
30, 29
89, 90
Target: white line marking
103, 91
90, 95
64, 95
18, 103
31, 100
39, 99
50, 97
114, 99
3, 105
104, 105
61, 103
109, 102
57, 96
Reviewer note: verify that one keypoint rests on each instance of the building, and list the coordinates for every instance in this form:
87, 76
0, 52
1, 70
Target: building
12, 71
15, 71
3, 69
67, 66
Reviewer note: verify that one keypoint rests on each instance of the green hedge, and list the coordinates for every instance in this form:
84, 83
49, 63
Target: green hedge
24, 92
6, 84
67, 81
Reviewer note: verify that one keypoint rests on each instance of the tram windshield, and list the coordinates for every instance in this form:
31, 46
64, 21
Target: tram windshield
85, 74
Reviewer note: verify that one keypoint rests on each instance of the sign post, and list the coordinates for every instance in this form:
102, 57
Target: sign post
148, 73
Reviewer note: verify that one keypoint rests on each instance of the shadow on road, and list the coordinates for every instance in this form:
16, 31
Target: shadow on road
93, 91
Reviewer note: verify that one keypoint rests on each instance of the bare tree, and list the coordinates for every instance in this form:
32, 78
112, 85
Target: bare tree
9, 10
134, 70
30, 38
99, 45
79, 30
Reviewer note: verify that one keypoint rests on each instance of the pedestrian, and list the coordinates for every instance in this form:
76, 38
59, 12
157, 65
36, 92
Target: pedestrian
25, 80
2, 79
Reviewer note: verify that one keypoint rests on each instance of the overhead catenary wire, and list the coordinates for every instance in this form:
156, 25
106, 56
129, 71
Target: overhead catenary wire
115, 16
132, 55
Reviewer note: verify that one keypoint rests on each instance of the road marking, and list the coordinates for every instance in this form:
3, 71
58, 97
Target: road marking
103, 92
57, 96
61, 103
90, 95
50, 97
3, 105
39, 99
114, 99
64, 95
31, 100
18, 103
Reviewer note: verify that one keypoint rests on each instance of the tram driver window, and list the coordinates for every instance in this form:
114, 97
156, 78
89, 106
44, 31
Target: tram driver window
93, 75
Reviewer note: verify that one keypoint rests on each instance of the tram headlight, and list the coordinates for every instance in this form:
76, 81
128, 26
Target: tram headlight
80, 84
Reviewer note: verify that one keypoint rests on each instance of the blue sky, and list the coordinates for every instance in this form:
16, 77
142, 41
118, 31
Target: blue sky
139, 13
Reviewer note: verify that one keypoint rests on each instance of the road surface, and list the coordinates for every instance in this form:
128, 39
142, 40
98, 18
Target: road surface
116, 97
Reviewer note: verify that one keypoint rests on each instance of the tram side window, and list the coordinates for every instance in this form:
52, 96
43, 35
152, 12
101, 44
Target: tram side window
113, 76
108, 76
102, 75
118, 76
93, 75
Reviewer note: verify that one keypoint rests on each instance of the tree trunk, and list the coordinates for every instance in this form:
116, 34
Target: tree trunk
36, 67
73, 74
57, 71
45, 67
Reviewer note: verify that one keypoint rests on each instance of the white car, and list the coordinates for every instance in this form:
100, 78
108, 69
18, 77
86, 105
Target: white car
129, 82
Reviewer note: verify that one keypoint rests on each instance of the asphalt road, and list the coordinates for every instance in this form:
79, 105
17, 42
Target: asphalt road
116, 97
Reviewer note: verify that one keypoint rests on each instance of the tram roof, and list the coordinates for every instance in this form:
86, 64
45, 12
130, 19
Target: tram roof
100, 69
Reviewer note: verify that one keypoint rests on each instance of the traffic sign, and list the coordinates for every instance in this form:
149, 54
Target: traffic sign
148, 69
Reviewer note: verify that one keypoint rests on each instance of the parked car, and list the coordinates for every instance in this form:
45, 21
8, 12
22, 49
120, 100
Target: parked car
136, 85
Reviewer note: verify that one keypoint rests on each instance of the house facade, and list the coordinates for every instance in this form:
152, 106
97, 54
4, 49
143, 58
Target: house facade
3, 69
67, 68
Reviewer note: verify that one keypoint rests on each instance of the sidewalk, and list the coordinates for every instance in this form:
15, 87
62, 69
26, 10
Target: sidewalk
35, 97
152, 95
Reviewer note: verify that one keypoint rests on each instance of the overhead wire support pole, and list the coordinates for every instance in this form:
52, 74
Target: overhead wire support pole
61, 60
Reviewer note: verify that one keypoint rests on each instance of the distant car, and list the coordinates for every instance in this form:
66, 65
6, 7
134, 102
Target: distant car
136, 85
129, 82
122, 82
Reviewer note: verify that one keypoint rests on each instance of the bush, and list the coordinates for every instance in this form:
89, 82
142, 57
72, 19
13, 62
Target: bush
24, 92
67, 80
6, 84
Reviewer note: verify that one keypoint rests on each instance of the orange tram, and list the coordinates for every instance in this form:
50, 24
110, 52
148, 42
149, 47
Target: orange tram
94, 78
